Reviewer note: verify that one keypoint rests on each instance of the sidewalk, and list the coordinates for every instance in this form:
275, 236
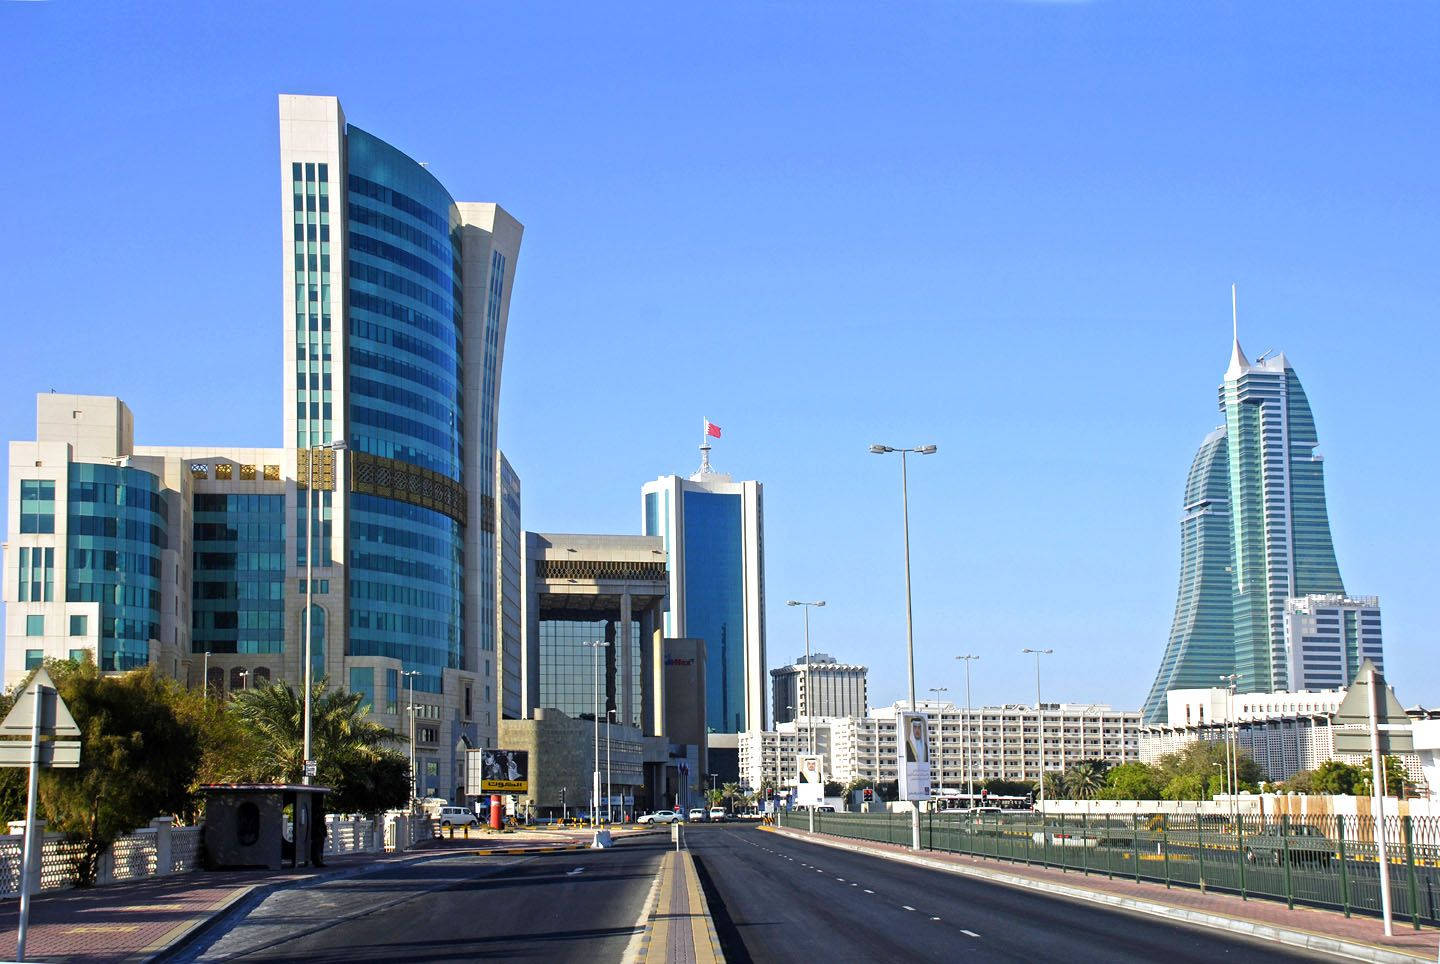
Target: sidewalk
1358, 937
134, 922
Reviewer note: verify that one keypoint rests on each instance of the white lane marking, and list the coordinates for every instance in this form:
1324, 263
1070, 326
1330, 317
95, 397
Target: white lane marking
577, 870
907, 906
853, 884
869, 891
934, 918
968, 933
841, 879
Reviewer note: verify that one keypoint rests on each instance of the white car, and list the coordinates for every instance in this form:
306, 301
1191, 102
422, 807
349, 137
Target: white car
718, 814
698, 815
457, 817
661, 816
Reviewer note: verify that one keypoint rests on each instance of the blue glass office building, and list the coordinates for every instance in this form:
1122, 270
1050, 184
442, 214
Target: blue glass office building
397, 296
714, 543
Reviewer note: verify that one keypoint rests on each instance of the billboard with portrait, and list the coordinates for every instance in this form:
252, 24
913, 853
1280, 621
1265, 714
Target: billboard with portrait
811, 781
504, 771
914, 756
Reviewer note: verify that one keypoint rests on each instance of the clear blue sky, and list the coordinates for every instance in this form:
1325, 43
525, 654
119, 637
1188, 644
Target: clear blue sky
1008, 228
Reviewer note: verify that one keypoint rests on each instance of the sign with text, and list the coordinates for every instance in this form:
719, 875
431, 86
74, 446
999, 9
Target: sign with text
811, 783
504, 771
913, 731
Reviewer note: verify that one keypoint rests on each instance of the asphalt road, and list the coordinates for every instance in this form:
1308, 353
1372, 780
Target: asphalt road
576, 905
778, 899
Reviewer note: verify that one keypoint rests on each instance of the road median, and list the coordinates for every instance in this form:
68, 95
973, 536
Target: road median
677, 921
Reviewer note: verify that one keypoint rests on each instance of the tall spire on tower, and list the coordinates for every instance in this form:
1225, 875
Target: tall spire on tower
1238, 364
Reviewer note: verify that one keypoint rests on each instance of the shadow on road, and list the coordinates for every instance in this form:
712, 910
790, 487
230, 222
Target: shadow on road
730, 943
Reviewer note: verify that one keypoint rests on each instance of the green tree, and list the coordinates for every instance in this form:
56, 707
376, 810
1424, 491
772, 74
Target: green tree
732, 794
715, 797
1332, 776
138, 758
344, 743
1055, 788
1397, 781
1085, 780
1200, 769
1131, 781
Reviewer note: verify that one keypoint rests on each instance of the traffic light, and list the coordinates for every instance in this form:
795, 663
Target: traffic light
984, 793
769, 793
869, 795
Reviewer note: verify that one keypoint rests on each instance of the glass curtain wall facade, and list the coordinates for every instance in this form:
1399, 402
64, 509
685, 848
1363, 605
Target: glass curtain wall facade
117, 530
715, 601
404, 357
238, 575
568, 667
1201, 647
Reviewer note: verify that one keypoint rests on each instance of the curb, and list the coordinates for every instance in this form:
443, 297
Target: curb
1293, 937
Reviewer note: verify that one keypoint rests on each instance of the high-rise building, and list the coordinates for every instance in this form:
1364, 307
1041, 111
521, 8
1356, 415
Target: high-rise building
823, 686
714, 536
1328, 637
385, 525
1255, 534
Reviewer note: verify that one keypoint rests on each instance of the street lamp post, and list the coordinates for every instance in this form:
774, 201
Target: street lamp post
809, 693
967, 762
1232, 749
909, 620
596, 645
609, 773
409, 675
939, 775
1040, 724
335, 446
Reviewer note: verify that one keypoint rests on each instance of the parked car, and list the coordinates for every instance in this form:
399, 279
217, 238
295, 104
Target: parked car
457, 817
698, 815
718, 814
661, 816
1304, 843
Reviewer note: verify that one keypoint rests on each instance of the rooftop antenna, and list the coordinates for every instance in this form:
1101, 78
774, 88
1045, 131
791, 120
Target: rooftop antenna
1234, 314
705, 449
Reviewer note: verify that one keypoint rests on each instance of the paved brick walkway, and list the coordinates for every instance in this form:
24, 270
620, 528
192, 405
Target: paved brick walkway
1361, 930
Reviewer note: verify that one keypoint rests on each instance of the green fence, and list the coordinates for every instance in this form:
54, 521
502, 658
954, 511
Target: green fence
1319, 861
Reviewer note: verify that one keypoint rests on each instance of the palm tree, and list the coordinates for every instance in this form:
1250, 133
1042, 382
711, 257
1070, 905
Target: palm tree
1084, 780
731, 793
339, 732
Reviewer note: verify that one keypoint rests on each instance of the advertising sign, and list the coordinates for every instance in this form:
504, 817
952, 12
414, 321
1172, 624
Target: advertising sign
811, 783
914, 755
504, 771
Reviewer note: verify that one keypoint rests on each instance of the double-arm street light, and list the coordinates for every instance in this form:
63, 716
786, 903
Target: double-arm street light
1040, 723
966, 761
336, 446
909, 621
596, 645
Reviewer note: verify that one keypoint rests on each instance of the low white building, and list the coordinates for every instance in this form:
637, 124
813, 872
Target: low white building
989, 742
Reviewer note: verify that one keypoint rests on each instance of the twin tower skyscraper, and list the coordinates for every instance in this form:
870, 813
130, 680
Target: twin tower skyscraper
1260, 594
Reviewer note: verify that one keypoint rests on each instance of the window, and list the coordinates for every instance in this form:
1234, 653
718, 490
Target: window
223, 470
199, 470
362, 680
34, 625
247, 473
272, 473
79, 655
79, 626
37, 505
34, 657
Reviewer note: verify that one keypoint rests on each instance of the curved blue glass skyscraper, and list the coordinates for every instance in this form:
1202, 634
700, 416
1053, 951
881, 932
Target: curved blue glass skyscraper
1255, 533
395, 335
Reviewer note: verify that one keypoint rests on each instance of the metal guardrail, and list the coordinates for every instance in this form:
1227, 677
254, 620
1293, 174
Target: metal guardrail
1321, 861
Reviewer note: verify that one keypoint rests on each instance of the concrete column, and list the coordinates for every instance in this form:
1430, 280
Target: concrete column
657, 677
649, 619
17, 829
627, 690
163, 862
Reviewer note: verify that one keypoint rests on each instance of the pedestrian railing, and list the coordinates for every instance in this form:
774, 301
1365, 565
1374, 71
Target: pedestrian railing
1317, 860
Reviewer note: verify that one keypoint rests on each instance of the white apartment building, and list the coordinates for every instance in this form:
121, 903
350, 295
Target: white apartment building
989, 742
1328, 635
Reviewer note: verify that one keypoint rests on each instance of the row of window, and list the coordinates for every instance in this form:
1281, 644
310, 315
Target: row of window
35, 625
